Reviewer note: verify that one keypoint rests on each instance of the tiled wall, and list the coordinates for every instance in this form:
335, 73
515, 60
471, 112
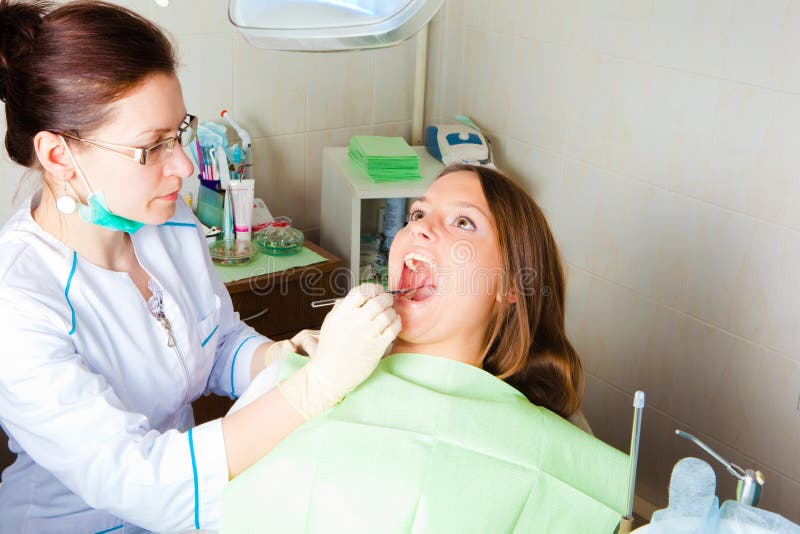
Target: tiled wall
662, 139
293, 104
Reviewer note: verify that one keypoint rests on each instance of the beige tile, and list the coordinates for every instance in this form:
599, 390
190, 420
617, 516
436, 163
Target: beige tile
476, 12
786, 67
574, 216
315, 142
611, 351
654, 462
660, 125
193, 16
783, 332
434, 75
394, 82
669, 228
538, 171
617, 28
279, 172
394, 129
538, 109
15, 185
503, 15
717, 386
269, 89
793, 218
578, 282
206, 74
544, 20
689, 35
658, 367
776, 428
754, 156
754, 40
608, 224
733, 270
340, 86
486, 92
142, 7
591, 90
453, 63
609, 412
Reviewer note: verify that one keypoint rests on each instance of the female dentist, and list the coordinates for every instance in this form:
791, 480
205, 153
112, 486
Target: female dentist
110, 311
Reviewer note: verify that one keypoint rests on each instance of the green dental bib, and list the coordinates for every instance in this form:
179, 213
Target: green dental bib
430, 445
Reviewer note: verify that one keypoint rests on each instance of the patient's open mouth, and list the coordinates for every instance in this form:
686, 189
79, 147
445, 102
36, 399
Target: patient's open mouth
418, 279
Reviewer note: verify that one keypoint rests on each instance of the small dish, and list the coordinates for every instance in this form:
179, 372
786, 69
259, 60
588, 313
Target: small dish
279, 240
231, 251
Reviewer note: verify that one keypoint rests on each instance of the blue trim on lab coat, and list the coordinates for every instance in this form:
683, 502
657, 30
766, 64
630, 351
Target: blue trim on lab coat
66, 291
233, 364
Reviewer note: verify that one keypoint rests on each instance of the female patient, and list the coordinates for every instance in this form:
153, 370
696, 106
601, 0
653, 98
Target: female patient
440, 438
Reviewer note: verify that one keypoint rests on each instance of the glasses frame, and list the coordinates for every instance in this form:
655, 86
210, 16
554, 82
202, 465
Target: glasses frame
139, 154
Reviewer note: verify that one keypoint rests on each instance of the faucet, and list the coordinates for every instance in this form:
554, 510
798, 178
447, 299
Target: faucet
748, 489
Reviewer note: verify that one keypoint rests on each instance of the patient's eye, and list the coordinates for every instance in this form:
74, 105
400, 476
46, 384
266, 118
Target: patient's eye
464, 223
415, 215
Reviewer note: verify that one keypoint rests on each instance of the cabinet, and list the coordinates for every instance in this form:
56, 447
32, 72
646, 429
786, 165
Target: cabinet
351, 201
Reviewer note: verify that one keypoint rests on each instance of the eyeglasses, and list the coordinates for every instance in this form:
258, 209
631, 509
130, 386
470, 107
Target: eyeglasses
155, 153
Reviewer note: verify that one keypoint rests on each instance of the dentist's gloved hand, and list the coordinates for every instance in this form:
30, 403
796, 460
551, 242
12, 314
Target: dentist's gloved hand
303, 343
353, 338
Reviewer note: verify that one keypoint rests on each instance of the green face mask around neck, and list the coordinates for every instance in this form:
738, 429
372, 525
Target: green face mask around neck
97, 211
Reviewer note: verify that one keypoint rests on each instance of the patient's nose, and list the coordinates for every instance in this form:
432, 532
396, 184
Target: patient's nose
422, 230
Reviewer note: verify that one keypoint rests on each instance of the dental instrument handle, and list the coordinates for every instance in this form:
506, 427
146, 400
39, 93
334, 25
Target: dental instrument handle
638, 406
732, 468
331, 302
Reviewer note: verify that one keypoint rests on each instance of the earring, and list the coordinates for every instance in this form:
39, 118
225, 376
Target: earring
65, 203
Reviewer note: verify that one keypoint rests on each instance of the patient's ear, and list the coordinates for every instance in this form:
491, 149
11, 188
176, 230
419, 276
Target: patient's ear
510, 297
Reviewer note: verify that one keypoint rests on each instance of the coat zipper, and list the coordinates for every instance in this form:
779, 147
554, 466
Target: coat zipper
172, 343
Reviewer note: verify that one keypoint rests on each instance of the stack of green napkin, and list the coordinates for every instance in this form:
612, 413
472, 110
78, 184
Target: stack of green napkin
385, 159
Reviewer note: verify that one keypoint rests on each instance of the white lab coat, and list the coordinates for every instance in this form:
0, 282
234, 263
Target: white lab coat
96, 405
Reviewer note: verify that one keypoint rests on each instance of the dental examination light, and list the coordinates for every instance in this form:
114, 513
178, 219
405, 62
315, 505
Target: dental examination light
328, 25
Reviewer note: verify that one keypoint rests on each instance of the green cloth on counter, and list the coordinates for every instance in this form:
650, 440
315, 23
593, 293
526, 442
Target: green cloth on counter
266, 264
430, 446
385, 159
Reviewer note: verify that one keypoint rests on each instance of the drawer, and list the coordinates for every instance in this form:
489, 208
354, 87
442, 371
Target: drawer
269, 310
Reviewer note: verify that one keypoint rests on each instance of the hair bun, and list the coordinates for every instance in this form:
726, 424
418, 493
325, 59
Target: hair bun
19, 23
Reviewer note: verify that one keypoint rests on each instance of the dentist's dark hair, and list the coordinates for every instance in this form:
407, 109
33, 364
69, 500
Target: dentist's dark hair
526, 342
61, 68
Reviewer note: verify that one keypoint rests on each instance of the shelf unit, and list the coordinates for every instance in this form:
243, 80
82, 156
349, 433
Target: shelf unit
350, 199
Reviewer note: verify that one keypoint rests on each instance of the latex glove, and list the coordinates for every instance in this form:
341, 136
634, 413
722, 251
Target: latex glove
303, 343
353, 338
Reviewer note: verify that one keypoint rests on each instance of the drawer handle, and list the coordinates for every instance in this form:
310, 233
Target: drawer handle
256, 315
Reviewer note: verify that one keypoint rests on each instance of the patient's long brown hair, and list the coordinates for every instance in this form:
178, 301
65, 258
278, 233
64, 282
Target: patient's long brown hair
526, 344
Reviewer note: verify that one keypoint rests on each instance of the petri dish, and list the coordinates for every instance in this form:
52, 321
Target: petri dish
231, 251
279, 240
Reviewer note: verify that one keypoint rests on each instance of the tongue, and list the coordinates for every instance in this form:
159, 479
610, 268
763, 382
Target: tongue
411, 280
422, 293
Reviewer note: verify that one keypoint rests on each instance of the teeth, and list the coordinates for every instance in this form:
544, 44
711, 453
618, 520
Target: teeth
412, 258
